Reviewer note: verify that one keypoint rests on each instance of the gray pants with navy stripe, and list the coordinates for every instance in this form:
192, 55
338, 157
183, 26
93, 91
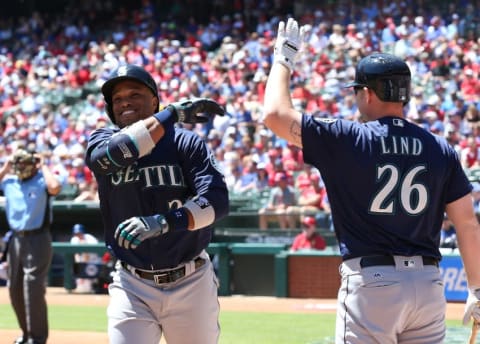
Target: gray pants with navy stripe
29, 261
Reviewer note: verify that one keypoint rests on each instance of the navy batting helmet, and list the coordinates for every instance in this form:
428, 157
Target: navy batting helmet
126, 72
387, 75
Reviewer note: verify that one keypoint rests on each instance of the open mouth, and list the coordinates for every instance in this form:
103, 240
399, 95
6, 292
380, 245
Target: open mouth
127, 113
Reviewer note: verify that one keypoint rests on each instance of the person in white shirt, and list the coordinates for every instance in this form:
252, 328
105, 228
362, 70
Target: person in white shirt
80, 236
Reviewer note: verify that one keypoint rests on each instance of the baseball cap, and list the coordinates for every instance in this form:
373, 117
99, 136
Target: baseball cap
309, 221
280, 176
78, 229
261, 166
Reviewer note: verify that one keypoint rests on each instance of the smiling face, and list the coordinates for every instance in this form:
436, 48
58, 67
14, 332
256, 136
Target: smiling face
131, 102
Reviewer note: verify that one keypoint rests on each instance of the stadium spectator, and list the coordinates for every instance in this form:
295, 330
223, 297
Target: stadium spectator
279, 206
470, 153
247, 182
448, 235
49, 77
87, 191
80, 236
262, 178
309, 238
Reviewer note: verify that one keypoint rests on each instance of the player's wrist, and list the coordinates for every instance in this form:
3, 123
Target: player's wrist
162, 223
177, 219
167, 117
282, 60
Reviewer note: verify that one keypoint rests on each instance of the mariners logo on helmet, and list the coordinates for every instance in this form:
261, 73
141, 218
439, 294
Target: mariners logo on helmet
122, 71
126, 72
385, 74
24, 164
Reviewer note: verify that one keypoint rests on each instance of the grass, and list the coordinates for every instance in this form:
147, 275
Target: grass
275, 328
64, 318
236, 327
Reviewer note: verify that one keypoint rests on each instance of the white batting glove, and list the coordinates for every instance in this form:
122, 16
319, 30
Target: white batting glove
133, 231
288, 43
472, 306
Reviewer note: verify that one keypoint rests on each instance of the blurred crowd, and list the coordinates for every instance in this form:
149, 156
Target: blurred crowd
53, 64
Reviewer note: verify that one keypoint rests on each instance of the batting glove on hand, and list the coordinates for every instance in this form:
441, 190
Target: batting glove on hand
472, 306
133, 231
288, 43
195, 110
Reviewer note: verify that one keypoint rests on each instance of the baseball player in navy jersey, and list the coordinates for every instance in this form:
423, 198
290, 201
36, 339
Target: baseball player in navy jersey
389, 183
160, 192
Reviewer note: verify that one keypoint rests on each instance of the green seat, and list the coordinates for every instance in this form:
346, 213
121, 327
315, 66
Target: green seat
68, 192
474, 175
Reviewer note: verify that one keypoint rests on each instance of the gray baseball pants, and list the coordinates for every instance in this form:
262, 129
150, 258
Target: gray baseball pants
29, 259
185, 311
398, 304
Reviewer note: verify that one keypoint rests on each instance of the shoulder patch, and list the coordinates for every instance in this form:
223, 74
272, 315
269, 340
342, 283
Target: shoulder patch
327, 120
324, 119
398, 122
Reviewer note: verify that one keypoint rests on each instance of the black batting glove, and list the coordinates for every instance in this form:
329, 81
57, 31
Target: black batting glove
191, 111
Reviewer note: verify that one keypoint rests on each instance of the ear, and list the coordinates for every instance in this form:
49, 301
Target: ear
369, 95
155, 104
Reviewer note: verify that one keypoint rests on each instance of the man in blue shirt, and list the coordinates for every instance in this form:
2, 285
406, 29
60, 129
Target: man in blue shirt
28, 192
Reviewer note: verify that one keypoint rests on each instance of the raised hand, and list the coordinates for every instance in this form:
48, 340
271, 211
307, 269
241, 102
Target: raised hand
289, 41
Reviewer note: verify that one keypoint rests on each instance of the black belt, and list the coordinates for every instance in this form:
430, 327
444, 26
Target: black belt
27, 232
161, 277
389, 260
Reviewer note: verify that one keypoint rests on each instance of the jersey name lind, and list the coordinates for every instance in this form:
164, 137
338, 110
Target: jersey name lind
150, 176
401, 145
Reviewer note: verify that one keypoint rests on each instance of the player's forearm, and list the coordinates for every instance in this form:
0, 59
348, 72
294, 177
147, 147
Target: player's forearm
53, 184
279, 114
468, 236
126, 146
469, 244
277, 94
4, 170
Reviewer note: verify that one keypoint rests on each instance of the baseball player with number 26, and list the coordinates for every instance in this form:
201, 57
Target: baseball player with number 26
160, 191
389, 183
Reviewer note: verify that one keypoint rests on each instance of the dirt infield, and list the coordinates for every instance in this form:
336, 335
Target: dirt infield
59, 296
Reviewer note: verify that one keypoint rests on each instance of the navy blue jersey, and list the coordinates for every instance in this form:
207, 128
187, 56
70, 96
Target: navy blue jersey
179, 167
388, 182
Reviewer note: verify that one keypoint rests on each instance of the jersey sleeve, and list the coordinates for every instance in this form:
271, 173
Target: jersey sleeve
458, 185
324, 138
202, 172
110, 150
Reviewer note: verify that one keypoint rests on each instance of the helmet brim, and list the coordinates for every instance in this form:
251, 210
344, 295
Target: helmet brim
354, 84
107, 87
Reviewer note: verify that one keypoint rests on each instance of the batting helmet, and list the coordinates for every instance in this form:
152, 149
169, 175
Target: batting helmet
387, 75
126, 72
